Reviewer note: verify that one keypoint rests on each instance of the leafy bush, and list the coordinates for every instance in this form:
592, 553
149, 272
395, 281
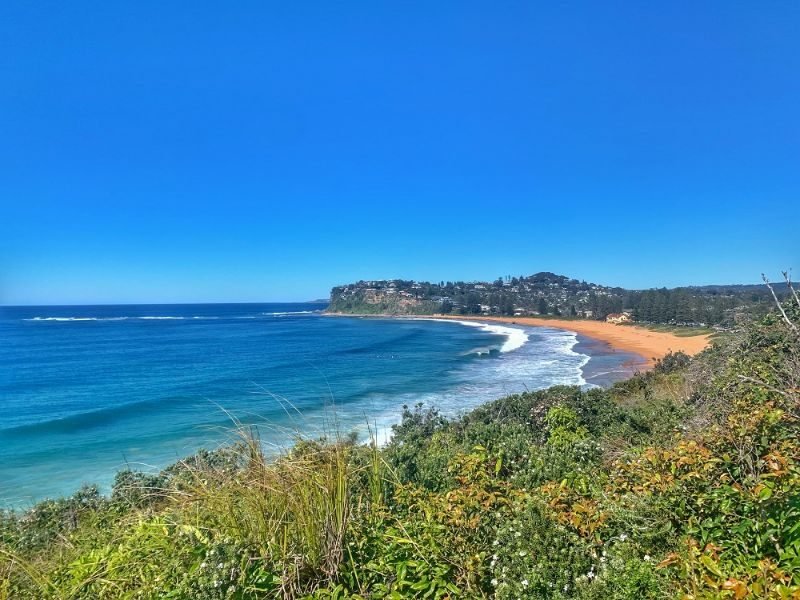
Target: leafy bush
680, 482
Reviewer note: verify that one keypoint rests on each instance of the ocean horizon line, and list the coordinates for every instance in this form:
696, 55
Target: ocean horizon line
97, 304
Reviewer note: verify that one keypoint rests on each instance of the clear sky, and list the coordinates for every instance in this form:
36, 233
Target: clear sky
258, 151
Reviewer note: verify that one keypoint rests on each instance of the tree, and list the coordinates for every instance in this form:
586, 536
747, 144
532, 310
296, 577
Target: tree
543, 310
473, 303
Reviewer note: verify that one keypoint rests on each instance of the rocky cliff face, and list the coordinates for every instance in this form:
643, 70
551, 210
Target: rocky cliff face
358, 299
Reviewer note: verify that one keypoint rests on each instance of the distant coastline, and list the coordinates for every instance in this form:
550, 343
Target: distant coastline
649, 345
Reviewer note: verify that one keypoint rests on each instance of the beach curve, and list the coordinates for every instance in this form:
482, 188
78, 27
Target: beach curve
650, 345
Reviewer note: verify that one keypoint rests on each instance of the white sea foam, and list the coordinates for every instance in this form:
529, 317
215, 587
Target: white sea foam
480, 351
162, 318
146, 318
515, 338
63, 319
175, 318
561, 344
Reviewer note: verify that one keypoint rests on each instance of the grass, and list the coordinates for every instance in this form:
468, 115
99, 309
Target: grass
681, 482
678, 330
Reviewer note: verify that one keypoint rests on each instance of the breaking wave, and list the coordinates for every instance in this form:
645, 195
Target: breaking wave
515, 338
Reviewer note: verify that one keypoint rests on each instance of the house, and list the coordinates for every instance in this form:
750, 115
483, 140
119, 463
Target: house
619, 318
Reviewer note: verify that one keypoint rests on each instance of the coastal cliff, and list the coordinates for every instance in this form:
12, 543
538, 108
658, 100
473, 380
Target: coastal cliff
548, 294
382, 297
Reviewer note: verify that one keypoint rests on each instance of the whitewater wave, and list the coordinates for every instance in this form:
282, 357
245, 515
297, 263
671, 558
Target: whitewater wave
547, 363
558, 344
162, 318
515, 338
174, 318
482, 351
145, 318
64, 319
557, 353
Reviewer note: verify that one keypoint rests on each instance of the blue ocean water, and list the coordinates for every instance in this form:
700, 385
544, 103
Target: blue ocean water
87, 390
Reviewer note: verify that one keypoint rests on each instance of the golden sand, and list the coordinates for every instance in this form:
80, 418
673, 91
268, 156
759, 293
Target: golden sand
650, 345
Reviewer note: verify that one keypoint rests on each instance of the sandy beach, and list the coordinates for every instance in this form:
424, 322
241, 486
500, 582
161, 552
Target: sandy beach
650, 345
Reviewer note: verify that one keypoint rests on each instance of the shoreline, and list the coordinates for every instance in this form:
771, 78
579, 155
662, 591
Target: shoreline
649, 345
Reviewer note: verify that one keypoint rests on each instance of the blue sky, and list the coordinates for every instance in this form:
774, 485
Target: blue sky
258, 151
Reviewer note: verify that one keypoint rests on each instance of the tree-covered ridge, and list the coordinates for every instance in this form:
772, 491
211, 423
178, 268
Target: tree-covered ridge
683, 482
551, 294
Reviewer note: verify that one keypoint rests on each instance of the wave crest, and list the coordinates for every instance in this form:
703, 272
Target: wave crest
515, 338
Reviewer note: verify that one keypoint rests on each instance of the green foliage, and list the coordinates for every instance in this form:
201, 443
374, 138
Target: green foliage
687, 311
51, 519
536, 556
672, 362
680, 482
565, 431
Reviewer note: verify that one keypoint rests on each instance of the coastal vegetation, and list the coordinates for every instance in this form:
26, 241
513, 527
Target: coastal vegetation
683, 481
555, 295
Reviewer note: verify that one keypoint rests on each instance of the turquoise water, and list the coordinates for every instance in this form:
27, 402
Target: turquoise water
88, 390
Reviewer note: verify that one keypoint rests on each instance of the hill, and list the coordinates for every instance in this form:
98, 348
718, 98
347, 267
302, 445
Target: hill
550, 294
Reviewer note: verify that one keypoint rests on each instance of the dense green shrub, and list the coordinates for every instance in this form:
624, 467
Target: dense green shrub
680, 482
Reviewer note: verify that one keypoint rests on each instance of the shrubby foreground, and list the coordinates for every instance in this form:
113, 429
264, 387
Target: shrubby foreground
680, 482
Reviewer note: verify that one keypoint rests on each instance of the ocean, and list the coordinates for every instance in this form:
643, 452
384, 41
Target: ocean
88, 390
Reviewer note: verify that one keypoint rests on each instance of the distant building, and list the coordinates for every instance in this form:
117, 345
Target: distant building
618, 318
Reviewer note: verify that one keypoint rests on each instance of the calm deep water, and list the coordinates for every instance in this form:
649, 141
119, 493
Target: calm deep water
87, 390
